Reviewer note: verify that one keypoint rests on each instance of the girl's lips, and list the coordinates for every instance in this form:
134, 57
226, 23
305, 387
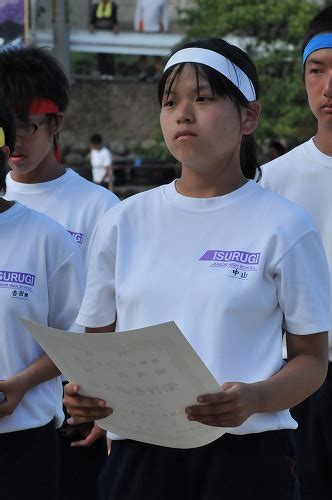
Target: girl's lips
17, 158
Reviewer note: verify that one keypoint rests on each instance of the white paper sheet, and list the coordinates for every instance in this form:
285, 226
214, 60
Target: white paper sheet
148, 376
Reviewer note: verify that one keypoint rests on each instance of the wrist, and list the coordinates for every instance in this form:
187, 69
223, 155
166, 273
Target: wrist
23, 381
259, 397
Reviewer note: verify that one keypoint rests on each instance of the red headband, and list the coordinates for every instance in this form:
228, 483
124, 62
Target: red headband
40, 106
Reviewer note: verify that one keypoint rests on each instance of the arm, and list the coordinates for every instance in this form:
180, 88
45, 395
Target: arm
300, 377
303, 297
14, 388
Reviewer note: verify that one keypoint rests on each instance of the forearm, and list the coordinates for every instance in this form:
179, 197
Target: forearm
101, 329
297, 380
39, 371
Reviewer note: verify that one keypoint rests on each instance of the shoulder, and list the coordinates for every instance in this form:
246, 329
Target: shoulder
135, 208
286, 164
284, 215
39, 226
92, 193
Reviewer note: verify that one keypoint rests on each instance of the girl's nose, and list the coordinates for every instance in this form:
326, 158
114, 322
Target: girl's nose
185, 114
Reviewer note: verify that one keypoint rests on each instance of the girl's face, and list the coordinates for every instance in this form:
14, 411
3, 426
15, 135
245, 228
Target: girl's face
203, 131
318, 79
33, 152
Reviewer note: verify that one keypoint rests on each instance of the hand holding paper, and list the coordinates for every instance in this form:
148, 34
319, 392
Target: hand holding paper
147, 376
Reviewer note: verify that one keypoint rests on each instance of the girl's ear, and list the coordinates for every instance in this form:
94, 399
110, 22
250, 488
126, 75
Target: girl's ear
56, 122
250, 117
6, 152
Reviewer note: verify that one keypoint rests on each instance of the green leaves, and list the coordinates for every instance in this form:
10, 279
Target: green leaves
271, 32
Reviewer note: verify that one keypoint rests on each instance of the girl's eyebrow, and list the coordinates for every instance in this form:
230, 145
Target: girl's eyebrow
314, 61
202, 87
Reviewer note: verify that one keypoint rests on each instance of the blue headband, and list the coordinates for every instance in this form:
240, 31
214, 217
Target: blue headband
322, 41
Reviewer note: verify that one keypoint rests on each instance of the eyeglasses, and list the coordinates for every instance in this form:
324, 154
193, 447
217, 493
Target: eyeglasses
28, 128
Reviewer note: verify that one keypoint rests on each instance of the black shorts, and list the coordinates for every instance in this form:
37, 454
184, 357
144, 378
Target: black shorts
250, 467
30, 464
314, 442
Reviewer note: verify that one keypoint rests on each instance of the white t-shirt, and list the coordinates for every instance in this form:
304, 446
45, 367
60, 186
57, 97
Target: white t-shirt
150, 13
71, 200
100, 159
231, 271
304, 175
41, 280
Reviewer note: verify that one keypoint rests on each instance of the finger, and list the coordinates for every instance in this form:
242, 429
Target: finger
71, 389
92, 413
85, 417
6, 408
218, 397
215, 423
208, 419
84, 443
209, 409
226, 421
83, 402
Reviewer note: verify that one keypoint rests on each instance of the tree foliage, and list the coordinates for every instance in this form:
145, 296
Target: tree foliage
271, 33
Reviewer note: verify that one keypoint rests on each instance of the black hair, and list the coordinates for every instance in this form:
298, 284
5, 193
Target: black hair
220, 85
30, 72
321, 23
96, 139
277, 146
8, 126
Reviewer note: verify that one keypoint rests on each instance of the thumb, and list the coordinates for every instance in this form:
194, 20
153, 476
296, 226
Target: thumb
71, 389
227, 386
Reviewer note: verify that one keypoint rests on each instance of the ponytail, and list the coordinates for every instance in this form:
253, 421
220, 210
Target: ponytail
248, 158
3, 173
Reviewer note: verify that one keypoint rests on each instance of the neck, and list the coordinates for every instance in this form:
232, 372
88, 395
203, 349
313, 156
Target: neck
5, 205
323, 140
208, 185
48, 170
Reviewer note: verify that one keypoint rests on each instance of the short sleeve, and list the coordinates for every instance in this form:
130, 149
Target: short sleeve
98, 306
107, 157
303, 284
65, 289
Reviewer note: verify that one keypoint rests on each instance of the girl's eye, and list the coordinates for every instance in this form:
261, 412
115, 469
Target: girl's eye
168, 103
315, 71
203, 98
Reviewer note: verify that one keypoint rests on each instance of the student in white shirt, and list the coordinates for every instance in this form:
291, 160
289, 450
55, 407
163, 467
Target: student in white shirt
37, 91
101, 162
40, 280
304, 175
151, 16
212, 252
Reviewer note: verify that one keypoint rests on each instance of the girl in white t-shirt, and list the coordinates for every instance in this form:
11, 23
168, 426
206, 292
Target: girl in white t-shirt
233, 265
40, 268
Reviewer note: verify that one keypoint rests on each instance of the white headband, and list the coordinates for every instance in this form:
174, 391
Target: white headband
217, 62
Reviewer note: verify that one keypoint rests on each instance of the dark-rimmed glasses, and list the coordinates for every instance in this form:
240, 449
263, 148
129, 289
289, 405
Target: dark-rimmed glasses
27, 129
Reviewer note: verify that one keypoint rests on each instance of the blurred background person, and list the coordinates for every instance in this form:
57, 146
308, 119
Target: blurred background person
104, 16
101, 162
151, 16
